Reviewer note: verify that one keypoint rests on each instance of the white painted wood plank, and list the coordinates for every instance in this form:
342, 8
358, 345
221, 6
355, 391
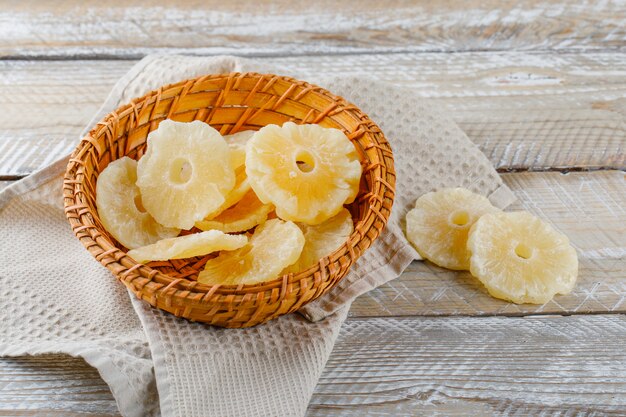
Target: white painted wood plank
525, 111
131, 28
476, 366
45, 106
53, 385
405, 366
589, 207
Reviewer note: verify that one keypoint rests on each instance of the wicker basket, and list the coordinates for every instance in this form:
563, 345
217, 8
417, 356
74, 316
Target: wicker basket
229, 103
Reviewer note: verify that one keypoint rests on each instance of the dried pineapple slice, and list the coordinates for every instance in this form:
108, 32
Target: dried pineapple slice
238, 158
239, 139
120, 209
180, 181
244, 215
438, 225
308, 172
237, 143
521, 258
242, 186
273, 246
322, 239
188, 246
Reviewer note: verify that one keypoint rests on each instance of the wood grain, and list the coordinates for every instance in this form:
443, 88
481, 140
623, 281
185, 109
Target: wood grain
53, 385
404, 366
589, 207
476, 366
525, 111
131, 28
45, 107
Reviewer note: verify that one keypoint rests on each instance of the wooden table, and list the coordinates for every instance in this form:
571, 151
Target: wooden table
539, 86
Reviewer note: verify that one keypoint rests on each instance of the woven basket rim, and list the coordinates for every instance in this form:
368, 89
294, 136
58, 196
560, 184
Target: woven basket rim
127, 266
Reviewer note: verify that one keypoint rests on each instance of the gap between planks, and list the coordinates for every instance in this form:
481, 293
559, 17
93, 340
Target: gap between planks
5, 180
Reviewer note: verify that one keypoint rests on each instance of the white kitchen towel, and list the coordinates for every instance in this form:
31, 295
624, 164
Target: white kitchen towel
57, 298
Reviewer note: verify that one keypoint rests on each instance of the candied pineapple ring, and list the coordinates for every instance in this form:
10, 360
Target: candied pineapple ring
181, 247
185, 174
242, 186
237, 157
273, 246
244, 215
322, 239
438, 225
237, 143
308, 172
238, 140
520, 258
120, 209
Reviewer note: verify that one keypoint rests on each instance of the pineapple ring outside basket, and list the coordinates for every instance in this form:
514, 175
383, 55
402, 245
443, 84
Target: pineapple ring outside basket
230, 103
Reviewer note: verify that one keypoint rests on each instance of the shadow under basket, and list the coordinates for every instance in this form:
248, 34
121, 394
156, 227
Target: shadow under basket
230, 103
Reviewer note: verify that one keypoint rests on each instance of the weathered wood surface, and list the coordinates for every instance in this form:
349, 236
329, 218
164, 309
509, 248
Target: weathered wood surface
583, 379
133, 28
489, 366
562, 108
404, 366
53, 385
589, 207
524, 110
45, 106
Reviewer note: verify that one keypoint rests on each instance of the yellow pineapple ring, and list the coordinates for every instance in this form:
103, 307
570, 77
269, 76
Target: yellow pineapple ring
322, 239
240, 139
308, 172
237, 143
521, 258
120, 209
188, 246
273, 246
438, 225
242, 186
238, 157
238, 160
185, 174
244, 215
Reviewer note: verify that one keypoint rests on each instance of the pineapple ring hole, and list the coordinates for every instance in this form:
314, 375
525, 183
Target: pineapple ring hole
523, 251
180, 171
305, 161
460, 218
139, 204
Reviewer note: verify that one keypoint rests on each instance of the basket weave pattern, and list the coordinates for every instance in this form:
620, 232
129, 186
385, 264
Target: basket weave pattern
230, 103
